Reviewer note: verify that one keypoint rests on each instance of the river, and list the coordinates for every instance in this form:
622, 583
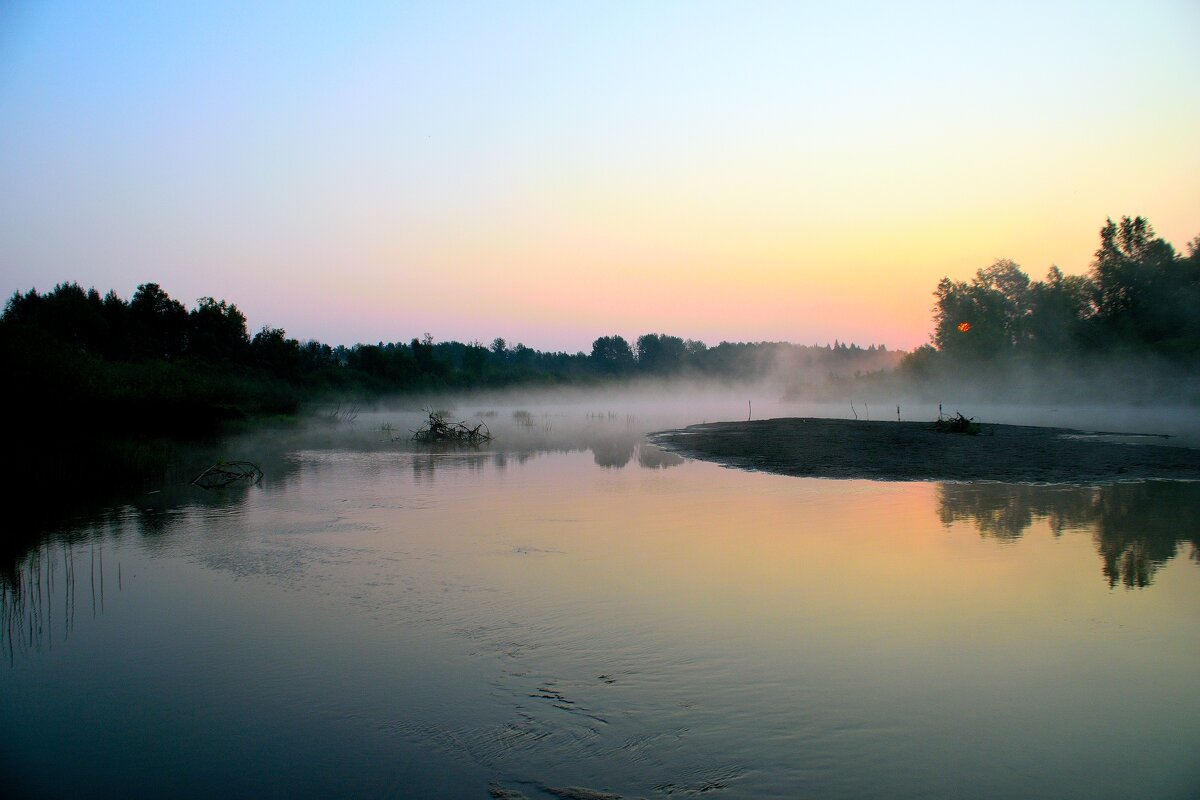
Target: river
571, 609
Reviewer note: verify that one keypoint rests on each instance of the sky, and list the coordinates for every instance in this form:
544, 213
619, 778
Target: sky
554, 172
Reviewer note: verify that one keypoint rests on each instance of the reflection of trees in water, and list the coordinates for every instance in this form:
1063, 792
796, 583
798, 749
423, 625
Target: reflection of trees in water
52, 555
608, 452
1141, 525
40, 593
425, 463
613, 453
1137, 527
613, 441
1005, 511
651, 456
41, 567
65, 573
617, 453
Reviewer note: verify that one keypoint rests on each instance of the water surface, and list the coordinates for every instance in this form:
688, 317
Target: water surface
573, 607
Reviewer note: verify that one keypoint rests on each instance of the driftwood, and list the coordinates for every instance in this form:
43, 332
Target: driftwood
957, 424
438, 429
227, 473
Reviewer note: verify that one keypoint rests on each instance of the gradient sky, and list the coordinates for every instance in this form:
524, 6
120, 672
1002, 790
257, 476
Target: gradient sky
554, 172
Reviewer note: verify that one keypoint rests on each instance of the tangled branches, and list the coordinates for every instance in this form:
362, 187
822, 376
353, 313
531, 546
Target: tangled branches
227, 473
438, 429
957, 424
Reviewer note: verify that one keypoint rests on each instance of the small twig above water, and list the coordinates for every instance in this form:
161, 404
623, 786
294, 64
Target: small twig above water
340, 414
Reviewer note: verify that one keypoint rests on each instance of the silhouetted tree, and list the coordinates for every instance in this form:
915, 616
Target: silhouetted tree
524, 355
475, 359
1058, 307
660, 354
217, 331
1005, 278
422, 350
160, 323
694, 351
68, 313
1145, 295
273, 351
1139, 295
969, 319
612, 355
1124, 265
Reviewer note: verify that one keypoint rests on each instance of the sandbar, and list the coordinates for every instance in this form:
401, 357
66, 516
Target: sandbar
917, 451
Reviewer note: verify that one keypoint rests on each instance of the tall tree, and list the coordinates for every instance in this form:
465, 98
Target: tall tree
217, 331
1145, 293
160, 323
970, 319
660, 354
612, 355
1059, 307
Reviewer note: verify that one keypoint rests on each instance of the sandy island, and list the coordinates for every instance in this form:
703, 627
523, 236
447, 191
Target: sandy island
916, 451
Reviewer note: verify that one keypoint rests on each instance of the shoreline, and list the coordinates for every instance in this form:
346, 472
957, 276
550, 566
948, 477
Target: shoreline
915, 451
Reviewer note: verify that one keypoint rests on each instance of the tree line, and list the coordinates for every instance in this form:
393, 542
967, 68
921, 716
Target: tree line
150, 362
1140, 297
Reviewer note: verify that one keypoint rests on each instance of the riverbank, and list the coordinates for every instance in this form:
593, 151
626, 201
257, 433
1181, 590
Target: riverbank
917, 451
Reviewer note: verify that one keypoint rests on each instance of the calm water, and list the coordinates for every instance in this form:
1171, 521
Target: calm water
573, 607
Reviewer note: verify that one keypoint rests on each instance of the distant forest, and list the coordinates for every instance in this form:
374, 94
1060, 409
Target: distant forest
150, 364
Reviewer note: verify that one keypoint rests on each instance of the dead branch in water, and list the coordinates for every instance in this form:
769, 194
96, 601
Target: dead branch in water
957, 424
438, 429
226, 473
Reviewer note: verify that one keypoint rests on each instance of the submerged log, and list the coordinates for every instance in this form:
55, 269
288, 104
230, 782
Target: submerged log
227, 473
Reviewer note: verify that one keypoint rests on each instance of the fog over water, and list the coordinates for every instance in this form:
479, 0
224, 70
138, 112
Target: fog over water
570, 611
658, 405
